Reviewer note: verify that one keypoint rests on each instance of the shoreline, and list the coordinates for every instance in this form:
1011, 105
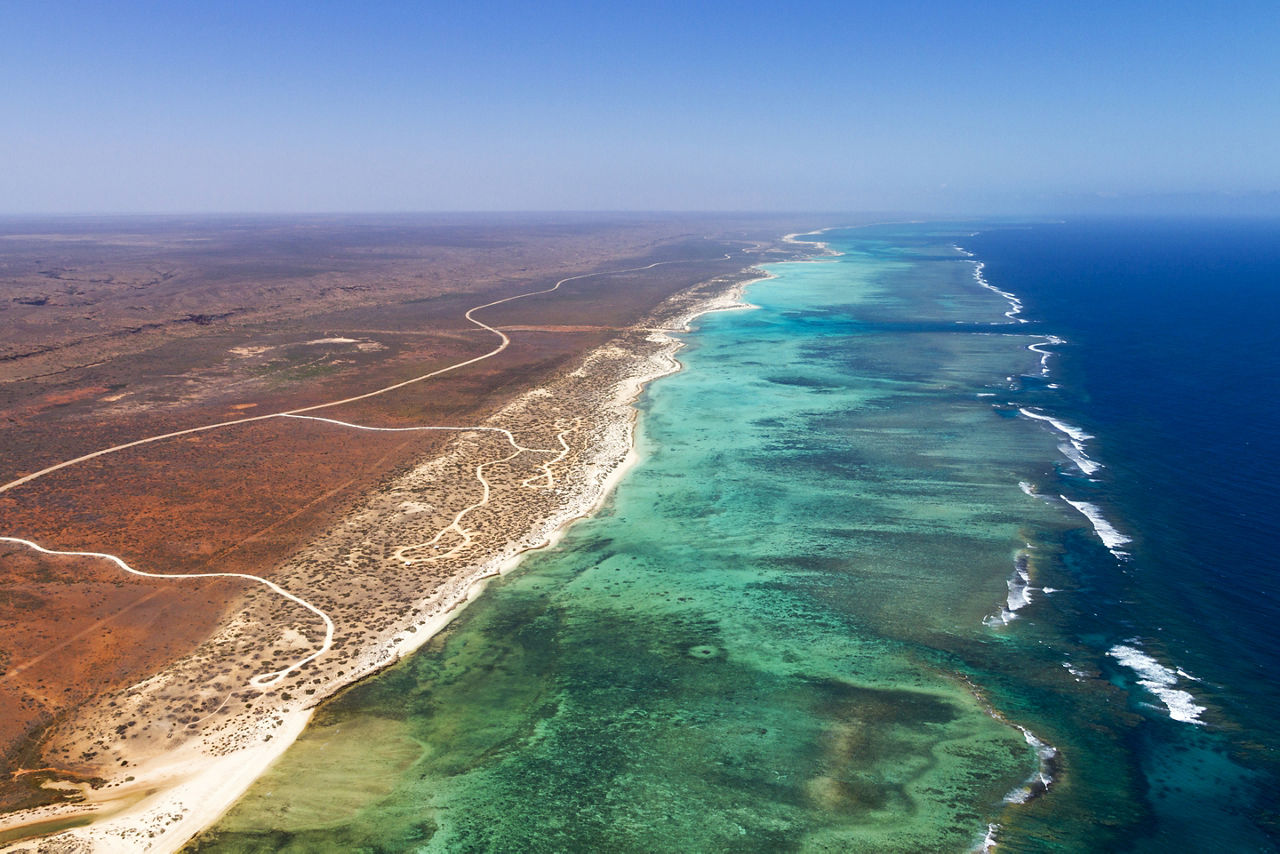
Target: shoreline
172, 796
248, 820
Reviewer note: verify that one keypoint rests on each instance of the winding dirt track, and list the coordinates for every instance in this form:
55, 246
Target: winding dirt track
262, 680
265, 681
505, 342
456, 524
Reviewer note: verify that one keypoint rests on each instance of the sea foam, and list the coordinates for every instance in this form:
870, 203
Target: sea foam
1077, 437
1015, 304
1019, 595
1039, 782
1073, 432
1044, 354
1160, 681
1111, 538
1072, 452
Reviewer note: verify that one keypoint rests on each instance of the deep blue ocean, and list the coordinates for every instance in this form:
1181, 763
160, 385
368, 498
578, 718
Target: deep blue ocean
1169, 358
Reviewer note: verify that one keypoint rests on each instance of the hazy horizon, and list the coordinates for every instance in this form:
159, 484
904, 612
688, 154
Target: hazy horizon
147, 108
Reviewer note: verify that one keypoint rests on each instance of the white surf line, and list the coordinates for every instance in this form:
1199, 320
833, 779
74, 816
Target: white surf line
1075, 451
263, 680
1015, 304
1111, 538
1038, 347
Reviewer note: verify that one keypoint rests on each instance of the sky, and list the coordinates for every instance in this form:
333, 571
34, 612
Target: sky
973, 107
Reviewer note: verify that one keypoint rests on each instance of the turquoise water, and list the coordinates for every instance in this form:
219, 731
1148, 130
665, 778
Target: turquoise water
783, 632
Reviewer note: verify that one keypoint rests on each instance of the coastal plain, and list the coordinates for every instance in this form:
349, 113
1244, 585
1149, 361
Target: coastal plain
323, 540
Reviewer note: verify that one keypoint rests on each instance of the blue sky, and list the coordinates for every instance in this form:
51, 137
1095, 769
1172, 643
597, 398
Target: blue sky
337, 106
